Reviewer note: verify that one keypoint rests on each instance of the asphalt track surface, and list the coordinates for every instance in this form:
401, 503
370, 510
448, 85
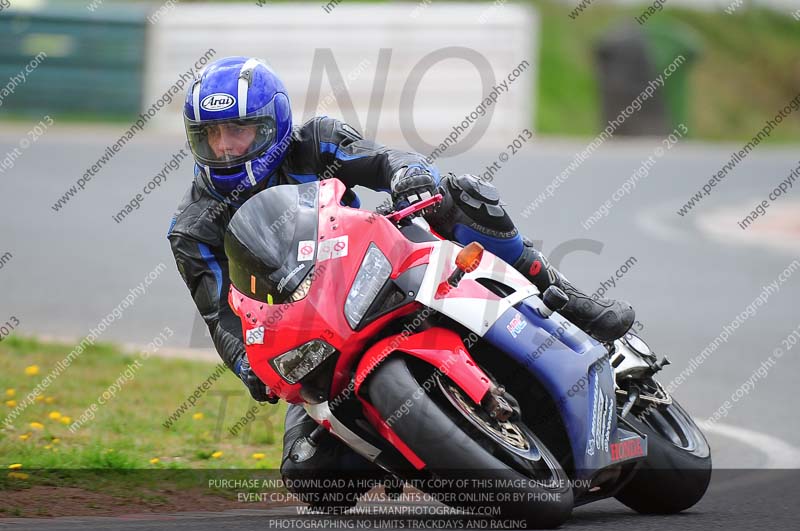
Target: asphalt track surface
70, 268
736, 500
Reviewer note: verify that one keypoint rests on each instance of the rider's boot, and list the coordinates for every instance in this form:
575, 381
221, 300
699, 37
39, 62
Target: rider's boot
471, 210
603, 319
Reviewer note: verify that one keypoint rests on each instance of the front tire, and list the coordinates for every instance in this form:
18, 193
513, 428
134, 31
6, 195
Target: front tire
436, 433
677, 471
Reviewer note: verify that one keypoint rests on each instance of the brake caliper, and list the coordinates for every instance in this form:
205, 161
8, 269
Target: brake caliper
500, 405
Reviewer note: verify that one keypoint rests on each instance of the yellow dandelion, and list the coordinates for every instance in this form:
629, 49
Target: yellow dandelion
15, 466
197, 416
154, 461
217, 454
24, 436
47, 447
49, 400
37, 425
39, 398
32, 370
55, 440
11, 403
18, 475
108, 450
258, 456
54, 415
65, 419
11, 392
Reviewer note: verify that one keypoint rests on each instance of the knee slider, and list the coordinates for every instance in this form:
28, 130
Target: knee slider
472, 202
474, 193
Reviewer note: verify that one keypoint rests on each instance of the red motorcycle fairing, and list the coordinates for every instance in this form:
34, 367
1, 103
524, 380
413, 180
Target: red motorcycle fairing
440, 348
276, 329
343, 238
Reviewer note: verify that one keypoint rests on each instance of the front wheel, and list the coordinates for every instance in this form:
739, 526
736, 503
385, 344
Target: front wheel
677, 471
516, 474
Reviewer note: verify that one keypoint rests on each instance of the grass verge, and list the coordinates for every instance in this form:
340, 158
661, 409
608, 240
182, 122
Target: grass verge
126, 451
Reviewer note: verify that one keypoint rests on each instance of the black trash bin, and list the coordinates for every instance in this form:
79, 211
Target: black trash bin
629, 58
625, 67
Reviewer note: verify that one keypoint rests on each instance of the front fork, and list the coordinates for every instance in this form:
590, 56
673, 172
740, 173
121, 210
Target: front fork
634, 364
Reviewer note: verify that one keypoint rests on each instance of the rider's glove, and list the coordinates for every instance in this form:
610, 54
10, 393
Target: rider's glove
258, 390
412, 184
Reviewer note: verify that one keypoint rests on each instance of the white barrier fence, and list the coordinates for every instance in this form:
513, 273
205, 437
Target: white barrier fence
405, 73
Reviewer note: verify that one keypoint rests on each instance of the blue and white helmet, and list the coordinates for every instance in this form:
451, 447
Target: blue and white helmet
238, 122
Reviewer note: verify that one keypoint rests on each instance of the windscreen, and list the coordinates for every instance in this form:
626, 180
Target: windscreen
271, 241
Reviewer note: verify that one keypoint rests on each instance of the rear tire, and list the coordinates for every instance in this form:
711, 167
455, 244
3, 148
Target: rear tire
677, 471
437, 435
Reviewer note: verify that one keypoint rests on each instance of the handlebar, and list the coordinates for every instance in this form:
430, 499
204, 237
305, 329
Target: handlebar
414, 208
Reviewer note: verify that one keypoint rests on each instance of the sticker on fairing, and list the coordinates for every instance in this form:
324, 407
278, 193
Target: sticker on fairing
627, 449
255, 336
333, 248
602, 411
285, 280
305, 250
516, 325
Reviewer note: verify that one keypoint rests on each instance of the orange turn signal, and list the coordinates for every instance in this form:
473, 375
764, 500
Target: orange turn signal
469, 258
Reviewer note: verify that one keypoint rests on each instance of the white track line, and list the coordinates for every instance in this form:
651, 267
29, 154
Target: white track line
661, 222
780, 454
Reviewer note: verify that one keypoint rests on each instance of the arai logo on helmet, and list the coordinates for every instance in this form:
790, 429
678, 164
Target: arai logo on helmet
217, 102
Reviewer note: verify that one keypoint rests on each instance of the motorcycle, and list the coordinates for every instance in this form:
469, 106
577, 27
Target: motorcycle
447, 368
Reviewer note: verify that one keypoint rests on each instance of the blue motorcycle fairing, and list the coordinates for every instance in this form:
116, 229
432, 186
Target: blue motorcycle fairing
576, 371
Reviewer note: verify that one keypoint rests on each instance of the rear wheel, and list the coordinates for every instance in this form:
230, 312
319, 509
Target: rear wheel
677, 471
497, 464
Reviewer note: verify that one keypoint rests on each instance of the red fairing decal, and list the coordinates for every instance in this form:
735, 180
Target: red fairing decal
627, 449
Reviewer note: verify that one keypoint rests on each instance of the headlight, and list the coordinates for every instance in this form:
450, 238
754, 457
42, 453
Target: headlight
638, 345
297, 363
372, 275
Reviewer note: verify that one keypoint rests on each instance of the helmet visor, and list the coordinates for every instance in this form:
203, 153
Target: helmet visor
230, 142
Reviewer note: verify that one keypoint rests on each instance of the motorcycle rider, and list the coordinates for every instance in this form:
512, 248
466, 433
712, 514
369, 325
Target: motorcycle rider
239, 126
